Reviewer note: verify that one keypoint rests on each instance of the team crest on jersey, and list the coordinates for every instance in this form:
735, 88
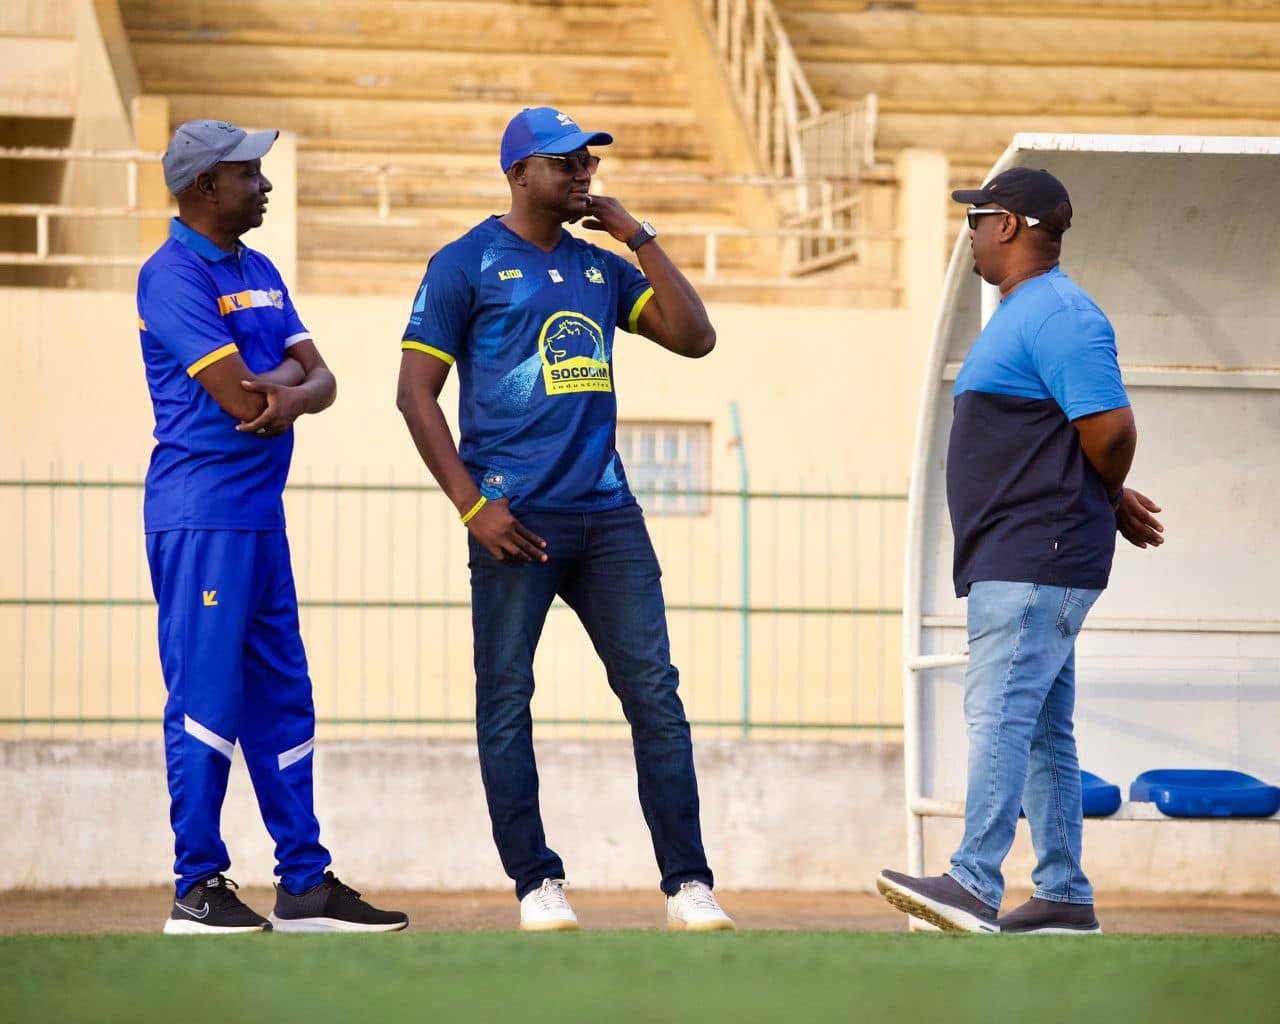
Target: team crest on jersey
593, 275
277, 298
573, 357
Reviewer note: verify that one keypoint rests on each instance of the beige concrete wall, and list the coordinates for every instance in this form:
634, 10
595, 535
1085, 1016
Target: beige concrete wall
827, 403
403, 813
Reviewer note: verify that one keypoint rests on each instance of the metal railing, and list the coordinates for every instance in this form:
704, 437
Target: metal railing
830, 228
783, 610
44, 213
828, 151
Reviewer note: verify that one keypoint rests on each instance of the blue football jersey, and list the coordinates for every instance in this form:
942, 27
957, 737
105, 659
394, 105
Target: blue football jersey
532, 335
196, 305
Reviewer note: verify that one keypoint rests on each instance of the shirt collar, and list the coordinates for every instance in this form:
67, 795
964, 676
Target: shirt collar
198, 243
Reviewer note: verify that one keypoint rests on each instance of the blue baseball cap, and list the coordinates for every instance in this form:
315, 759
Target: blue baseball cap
545, 130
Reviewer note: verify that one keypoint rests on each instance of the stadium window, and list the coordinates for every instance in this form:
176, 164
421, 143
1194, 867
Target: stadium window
668, 465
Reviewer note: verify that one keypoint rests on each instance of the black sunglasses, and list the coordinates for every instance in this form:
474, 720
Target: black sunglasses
573, 162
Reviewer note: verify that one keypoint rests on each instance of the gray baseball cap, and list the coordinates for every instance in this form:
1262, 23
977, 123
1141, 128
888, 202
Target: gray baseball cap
198, 146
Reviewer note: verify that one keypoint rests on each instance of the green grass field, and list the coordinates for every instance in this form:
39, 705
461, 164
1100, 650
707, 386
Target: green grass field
618, 977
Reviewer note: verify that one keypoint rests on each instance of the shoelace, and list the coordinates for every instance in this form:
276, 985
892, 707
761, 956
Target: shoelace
699, 895
551, 894
340, 887
221, 893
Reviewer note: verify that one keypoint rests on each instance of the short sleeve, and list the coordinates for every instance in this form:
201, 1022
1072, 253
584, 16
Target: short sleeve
1074, 351
441, 310
633, 288
178, 310
295, 330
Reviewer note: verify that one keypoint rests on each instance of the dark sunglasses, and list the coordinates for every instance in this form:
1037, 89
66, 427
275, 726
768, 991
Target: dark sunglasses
573, 162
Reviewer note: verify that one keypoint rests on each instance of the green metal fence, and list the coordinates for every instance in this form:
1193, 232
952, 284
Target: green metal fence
784, 609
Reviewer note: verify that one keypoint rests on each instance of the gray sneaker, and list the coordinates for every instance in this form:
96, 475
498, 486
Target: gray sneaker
331, 906
938, 899
1049, 917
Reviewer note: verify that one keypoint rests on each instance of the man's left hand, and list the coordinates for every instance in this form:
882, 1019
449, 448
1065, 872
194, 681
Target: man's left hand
1135, 521
284, 405
605, 213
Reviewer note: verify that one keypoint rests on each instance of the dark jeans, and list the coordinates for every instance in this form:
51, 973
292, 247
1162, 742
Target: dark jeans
603, 566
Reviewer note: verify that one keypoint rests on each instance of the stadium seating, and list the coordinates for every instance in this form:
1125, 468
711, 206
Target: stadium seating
965, 75
425, 87
1187, 793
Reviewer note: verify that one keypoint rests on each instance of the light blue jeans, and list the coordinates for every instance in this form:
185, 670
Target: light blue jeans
1019, 694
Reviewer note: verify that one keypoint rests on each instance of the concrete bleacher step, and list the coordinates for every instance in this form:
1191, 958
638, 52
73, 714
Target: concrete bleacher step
985, 89
404, 74
1198, 10
913, 36
465, 26
992, 133
449, 126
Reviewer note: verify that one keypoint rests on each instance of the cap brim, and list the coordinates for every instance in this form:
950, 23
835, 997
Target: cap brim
972, 196
253, 146
576, 141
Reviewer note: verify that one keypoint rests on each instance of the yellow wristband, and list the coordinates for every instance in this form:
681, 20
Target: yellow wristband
471, 513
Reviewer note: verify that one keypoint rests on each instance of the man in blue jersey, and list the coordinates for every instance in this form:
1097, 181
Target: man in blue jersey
230, 368
1041, 442
528, 314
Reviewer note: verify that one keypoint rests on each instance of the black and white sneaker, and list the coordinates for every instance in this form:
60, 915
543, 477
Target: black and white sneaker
331, 906
212, 908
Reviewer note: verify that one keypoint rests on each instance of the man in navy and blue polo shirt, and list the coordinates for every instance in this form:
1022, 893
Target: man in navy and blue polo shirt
528, 313
230, 367
1041, 442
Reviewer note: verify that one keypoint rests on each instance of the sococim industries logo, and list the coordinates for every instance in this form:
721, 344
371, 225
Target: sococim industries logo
573, 356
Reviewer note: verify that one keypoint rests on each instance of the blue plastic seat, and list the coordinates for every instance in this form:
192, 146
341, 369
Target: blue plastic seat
1100, 796
1189, 793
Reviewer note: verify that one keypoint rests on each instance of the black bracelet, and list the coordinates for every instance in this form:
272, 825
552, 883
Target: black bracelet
1114, 501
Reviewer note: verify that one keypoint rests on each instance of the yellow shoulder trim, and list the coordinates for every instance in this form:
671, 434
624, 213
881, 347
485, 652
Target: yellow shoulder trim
417, 346
211, 358
633, 319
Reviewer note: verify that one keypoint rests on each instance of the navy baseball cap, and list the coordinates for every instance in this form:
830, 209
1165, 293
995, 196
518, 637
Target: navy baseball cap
199, 146
545, 130
1025, 190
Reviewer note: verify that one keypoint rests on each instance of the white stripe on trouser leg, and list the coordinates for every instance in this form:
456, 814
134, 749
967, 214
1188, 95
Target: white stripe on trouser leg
296, 754
208, 737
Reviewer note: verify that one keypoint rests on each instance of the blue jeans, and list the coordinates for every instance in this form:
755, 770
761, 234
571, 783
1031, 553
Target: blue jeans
1019, 694
602, 564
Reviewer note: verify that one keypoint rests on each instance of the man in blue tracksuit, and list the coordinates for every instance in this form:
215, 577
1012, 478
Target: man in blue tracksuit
230, 367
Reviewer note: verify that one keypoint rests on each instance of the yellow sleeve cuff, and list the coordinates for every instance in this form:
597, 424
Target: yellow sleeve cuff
211, 358
633, 319
417, 346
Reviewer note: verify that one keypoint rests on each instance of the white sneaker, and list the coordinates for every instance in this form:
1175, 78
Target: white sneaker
547, 910
694, 909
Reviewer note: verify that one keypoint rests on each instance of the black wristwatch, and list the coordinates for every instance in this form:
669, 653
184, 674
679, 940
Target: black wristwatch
646, 233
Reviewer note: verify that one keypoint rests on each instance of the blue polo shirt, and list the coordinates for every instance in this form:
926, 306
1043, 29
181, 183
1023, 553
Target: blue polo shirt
198, 304
532, 335
1026, 505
